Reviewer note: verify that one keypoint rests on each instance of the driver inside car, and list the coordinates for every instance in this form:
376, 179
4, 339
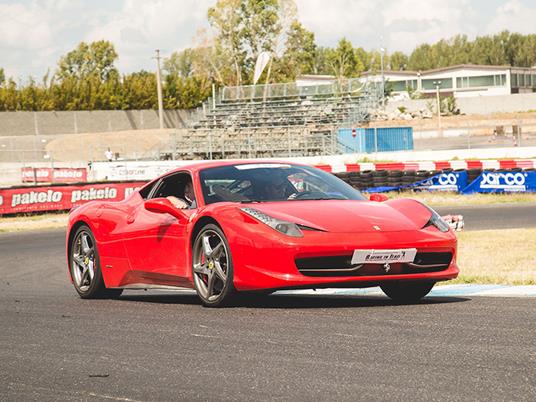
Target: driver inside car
275, 191
187, 200
276, 188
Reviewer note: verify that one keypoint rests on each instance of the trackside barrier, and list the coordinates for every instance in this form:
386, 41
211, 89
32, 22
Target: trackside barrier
53, 175
148, 170
61, 197
486, 182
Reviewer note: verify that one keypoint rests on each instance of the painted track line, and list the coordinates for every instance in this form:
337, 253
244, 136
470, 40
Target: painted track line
438, 291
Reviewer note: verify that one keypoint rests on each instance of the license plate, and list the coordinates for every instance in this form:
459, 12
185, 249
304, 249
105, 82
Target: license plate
383, 256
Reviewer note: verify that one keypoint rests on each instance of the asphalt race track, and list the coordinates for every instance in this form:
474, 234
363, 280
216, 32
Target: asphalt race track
165, 346
497, 216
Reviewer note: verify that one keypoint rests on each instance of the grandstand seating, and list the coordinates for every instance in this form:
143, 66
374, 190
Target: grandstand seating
277, 120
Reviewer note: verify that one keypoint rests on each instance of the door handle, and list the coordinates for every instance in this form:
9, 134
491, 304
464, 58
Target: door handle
130, 218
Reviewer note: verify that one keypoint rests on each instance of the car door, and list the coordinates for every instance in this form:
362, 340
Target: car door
157, 243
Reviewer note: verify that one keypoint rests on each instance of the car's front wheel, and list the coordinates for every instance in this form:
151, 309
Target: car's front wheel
407, 291
85, 267
212, 267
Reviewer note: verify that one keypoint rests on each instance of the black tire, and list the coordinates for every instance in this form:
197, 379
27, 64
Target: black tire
88, 288
366, 174
407, 291
226, 292
379, 173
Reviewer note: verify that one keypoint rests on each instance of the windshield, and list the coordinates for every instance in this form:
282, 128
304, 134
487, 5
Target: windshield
272, 182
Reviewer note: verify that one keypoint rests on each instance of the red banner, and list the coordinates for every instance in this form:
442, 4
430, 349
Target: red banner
57, 198
53, 175
36, 175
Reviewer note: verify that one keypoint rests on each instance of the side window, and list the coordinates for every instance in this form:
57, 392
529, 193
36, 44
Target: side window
144, 192
172, 185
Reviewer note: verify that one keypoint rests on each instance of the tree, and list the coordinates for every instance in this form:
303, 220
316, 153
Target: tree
181, 63
138, 91
96, 58
421, 58
343, 61
227, 24
398, 61
300, 52
2, 77
260, 27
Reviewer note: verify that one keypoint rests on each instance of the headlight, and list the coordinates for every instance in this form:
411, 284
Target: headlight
287, 228
437, 221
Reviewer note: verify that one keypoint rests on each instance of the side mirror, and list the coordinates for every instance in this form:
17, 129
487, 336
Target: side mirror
164, 206
378, 197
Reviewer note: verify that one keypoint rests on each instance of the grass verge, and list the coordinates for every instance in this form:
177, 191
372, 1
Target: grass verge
440, 199
33, 222
505, 256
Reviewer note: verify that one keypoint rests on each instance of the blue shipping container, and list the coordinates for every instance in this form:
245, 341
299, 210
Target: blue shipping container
368, 140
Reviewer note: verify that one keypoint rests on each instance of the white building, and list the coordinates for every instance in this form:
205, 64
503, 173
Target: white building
465, 80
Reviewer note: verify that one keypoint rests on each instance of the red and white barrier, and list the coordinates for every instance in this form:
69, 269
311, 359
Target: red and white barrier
437, 165
57, 198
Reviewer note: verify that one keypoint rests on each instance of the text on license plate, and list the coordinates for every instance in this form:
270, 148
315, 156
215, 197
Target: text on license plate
383, 256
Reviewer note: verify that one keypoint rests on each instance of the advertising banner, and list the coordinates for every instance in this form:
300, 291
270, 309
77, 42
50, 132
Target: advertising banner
36, 175
115, 171
57, 198
69, 175
53, 175
452, 181
503, 182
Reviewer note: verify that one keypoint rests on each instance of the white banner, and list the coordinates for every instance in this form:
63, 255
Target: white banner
260, 65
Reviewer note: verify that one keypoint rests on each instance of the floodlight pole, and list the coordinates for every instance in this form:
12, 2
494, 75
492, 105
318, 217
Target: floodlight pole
437, 85
159, 90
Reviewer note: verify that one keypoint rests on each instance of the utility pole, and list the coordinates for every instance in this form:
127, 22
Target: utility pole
437, 85
159, 90
382, 51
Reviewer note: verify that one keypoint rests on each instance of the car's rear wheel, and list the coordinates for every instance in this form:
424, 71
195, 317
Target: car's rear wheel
84, 264
407, 291
212, 267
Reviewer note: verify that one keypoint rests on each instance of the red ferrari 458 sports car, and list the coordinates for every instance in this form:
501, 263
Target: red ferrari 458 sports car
228, 227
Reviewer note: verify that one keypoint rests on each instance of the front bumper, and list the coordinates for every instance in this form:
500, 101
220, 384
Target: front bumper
269, 262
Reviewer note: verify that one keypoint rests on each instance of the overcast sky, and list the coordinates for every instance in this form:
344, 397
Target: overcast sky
34, 34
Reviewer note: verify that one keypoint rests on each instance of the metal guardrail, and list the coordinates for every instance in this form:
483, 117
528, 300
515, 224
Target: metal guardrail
291, 89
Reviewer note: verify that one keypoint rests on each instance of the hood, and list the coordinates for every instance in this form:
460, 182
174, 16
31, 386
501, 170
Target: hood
347, 216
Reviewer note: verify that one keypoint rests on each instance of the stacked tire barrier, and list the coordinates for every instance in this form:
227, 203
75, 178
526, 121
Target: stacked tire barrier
448, 179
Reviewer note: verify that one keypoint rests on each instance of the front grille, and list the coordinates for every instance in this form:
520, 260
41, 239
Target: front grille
437, 261
332, 262
341, 265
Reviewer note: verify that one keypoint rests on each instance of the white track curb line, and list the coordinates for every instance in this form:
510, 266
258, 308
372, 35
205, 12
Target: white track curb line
438, 291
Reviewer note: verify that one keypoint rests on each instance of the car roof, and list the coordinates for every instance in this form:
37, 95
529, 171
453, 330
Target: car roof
202, 165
